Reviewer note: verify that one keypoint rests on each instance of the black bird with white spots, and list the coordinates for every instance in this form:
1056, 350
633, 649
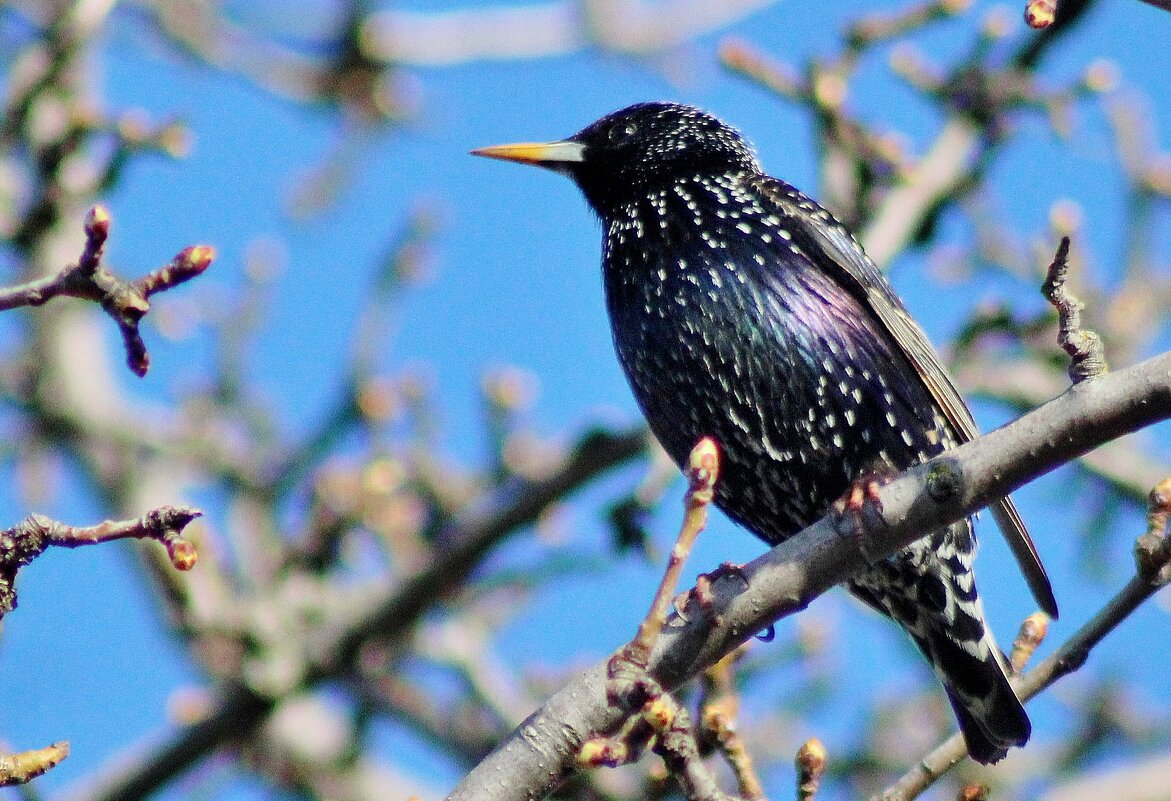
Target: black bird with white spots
744, 311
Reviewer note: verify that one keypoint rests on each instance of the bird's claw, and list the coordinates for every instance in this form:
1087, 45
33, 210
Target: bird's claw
850, 509
702, 593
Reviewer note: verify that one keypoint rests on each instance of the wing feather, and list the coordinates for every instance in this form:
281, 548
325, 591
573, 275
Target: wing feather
855, 271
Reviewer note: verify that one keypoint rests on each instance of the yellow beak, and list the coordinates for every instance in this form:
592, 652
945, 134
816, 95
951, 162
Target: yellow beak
543, 154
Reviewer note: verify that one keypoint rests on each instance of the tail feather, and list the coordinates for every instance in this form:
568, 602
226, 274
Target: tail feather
987, 709
929, 589
990, 737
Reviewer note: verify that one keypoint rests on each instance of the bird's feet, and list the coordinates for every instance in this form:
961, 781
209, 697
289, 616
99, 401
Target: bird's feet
702, 593
850, 509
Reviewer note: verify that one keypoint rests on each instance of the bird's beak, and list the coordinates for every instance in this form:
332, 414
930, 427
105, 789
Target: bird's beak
553, 155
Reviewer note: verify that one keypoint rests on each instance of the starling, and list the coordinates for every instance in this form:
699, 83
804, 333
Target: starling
742, 310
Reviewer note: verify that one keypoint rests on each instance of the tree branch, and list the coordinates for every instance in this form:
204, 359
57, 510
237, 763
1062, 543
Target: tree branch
630, 27
126, 302
28, 539
1084, 347
1152, 556
28, 765
539, 755
332, 648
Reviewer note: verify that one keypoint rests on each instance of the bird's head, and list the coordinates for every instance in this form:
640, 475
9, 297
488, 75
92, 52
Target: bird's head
641, 149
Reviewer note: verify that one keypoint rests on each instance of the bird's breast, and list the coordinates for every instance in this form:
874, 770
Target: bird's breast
734, 334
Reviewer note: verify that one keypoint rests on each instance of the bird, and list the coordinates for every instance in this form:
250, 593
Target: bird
742, 310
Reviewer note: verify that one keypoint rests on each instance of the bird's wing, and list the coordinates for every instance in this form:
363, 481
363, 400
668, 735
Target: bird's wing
831, 245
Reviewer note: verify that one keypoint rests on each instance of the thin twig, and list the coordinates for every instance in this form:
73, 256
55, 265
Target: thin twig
28, 765
741, 57
1087, 357
703, 470
126, 302
628, 685
718, 713
664, 724
881, 27
28, 539
675, 742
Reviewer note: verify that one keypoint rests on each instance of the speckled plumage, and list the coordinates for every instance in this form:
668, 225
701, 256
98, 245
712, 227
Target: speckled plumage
742, 310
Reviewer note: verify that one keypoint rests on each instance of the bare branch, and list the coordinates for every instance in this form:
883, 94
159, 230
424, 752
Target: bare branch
703, 471
666, 724
976, 98
629, 687
633, 27
1153, 554
718, 712
675, 742
124, 301
28, 539
394, 610
881, 27
1087, 357
939, 175
539, 755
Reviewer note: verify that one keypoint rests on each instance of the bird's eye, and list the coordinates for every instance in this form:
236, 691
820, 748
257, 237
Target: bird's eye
621, 131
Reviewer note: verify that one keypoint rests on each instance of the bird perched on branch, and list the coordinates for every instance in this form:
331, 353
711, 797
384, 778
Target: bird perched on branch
743, 311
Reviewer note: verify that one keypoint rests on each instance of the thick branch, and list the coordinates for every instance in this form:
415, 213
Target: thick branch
538, 756
545, 29
940, 174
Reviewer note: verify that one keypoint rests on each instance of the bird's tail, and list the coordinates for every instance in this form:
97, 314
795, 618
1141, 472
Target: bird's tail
975, 676
929, 589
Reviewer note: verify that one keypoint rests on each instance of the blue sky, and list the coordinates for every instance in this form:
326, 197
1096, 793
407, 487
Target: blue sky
514, 281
